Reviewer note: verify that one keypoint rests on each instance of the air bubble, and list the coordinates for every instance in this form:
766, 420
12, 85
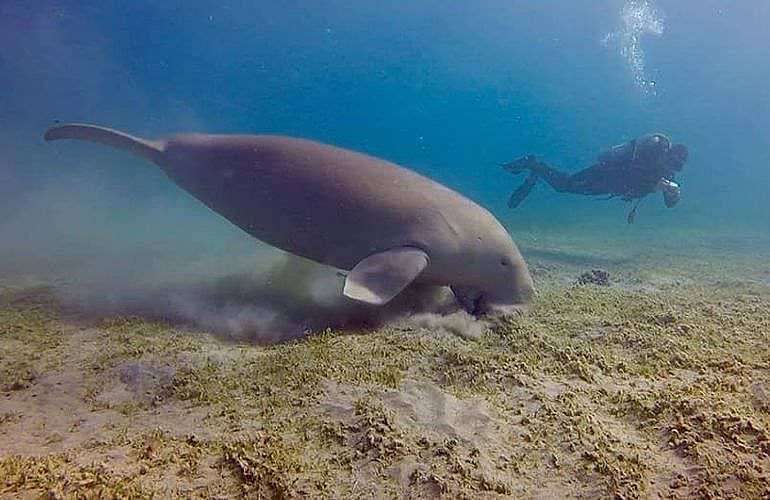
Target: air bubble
639, 18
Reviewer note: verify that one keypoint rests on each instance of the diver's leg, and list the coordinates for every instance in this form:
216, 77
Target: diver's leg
592, 181
558, 180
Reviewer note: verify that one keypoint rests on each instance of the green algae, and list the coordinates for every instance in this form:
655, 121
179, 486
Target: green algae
29, 340
57, 476
639, 374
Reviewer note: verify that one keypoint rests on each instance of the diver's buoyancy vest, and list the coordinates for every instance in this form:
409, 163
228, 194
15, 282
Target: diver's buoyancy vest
622, 153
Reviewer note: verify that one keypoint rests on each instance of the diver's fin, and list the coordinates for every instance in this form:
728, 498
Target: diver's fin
519, 165
381, 276
522, 191
151, 150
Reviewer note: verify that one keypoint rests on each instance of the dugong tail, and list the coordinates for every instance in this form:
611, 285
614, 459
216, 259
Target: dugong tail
151, 150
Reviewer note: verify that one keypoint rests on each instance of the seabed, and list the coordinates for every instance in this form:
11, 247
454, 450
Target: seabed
655, 384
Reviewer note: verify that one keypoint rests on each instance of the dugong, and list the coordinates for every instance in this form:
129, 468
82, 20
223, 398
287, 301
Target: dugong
385, 224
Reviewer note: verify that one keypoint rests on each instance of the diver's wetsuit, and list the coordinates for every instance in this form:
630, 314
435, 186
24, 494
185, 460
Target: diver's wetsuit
632, 171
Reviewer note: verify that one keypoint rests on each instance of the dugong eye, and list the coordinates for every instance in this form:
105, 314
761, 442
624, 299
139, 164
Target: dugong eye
504, 262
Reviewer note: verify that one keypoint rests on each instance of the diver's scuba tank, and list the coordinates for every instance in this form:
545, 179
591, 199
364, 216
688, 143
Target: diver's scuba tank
651, 147
646, 147
620, 153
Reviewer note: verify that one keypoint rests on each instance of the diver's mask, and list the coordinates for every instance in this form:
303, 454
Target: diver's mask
671, 192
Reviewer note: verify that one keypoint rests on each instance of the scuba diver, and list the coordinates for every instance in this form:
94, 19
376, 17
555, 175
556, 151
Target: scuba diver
631, 171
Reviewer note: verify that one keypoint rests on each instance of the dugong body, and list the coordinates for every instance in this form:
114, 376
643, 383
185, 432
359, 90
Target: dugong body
387, 225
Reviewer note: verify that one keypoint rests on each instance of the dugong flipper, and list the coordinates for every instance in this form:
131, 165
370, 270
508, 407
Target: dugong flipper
380, 277
387, 225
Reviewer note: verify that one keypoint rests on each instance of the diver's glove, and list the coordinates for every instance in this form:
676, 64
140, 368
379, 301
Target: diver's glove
671, 192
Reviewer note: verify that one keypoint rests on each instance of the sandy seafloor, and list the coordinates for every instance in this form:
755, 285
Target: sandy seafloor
657, 385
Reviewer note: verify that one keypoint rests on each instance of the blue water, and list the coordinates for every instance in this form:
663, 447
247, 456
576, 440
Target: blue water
446, 88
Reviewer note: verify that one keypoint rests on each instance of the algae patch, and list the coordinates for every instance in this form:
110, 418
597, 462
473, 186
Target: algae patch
598, 392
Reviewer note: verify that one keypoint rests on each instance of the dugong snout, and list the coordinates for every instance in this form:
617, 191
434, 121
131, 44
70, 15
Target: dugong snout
509, 293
